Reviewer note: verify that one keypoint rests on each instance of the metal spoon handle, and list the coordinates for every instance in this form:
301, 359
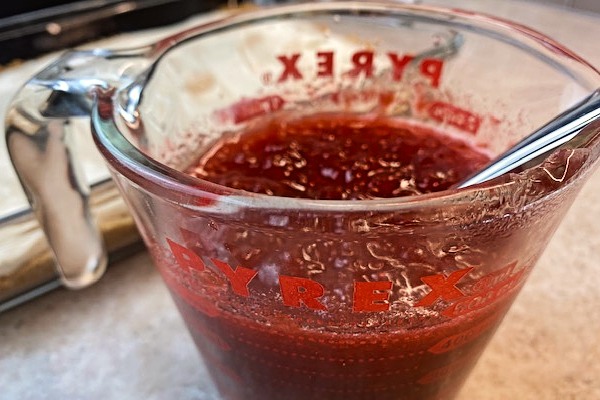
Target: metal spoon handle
562, 131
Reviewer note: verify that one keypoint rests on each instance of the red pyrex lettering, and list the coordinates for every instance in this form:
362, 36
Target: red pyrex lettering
246, 109
373, 296
363, 63
443, 287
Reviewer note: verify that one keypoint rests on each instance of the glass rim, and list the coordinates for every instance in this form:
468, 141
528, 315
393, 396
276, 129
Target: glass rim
180, 187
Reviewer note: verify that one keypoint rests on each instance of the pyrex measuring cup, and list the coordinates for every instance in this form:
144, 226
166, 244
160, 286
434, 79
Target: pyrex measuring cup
313, 299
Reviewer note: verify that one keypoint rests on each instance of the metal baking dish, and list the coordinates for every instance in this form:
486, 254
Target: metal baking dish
26, 260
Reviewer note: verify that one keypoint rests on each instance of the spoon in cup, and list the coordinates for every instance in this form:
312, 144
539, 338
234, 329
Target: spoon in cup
564, 131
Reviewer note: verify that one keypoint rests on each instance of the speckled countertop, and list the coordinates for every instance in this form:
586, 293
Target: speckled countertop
123, 339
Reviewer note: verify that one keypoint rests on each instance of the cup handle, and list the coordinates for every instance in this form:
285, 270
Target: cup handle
42, 150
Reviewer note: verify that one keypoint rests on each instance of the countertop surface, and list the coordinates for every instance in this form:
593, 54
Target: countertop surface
123, 338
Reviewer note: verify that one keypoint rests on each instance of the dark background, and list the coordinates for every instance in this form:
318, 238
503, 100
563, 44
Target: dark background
10, 8
13, 7
29, 28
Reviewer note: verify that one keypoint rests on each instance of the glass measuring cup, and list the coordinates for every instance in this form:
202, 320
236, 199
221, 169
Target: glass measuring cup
290, 298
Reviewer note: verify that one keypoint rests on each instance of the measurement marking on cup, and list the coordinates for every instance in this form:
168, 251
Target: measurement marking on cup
455, 116
303, 340
445, 371
462, 338
304, 355
310, 371
510, 281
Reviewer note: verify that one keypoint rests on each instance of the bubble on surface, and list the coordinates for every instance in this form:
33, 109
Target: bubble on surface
279, 220
269, 274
